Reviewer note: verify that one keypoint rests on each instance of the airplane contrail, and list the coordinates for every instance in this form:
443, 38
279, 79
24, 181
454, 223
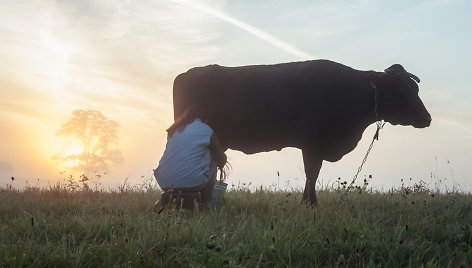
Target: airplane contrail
248, 28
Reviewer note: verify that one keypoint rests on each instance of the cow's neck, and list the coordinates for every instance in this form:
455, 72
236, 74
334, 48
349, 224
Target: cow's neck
365, 110
356, 119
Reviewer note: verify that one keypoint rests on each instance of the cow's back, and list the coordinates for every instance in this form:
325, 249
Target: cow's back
262, 107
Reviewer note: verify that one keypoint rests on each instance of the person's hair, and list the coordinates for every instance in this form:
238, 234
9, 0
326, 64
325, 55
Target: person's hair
224, 171
187, 117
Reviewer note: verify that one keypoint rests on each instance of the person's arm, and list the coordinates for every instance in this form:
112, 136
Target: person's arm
217, 152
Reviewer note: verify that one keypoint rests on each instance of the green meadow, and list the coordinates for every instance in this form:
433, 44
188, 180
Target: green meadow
406, 227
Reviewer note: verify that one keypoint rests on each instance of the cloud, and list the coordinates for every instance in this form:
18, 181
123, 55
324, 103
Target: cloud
61, 55
138, 44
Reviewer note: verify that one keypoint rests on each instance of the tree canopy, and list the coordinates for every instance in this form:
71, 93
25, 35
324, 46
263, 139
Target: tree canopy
90, 142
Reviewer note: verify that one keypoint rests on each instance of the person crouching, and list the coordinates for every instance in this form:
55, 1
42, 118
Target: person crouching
188, 167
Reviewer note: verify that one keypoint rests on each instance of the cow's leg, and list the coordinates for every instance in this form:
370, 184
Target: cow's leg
312, 164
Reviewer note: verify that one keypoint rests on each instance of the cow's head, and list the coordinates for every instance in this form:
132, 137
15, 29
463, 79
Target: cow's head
398, 100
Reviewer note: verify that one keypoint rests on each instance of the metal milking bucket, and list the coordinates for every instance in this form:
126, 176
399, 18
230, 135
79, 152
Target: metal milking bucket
219, 190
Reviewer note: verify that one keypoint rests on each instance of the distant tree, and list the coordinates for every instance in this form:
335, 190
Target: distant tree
90, 142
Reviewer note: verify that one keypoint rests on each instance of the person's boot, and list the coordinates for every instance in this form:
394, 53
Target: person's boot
188, 200
163, 201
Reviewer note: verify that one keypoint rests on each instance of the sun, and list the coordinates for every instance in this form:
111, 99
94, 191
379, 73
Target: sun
72, 154
73, 163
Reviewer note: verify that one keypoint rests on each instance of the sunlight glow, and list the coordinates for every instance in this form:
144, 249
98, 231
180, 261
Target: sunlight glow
73, 163
61, 55
72, 151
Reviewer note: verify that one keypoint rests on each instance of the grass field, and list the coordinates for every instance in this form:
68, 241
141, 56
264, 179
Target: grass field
407, 227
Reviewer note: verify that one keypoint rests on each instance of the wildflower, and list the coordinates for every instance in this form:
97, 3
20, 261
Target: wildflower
211, 243
218, 248
271, 248
24, 254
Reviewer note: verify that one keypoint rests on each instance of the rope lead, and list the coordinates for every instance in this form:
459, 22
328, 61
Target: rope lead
380, 125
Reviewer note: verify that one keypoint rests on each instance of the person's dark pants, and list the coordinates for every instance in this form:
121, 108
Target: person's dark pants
187, 195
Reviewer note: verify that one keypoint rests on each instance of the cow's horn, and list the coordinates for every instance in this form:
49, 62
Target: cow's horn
414, 77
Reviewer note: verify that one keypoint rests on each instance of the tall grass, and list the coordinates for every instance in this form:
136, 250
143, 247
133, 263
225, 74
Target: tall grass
406, 227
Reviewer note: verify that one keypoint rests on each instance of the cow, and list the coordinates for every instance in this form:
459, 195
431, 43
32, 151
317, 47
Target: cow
319, 106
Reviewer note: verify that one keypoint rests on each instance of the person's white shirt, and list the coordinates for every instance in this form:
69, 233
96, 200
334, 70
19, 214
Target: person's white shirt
186, 159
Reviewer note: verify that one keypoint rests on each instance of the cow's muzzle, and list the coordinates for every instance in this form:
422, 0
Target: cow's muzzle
423, 122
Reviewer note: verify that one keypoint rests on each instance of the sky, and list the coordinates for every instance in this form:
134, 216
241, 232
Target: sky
120, 57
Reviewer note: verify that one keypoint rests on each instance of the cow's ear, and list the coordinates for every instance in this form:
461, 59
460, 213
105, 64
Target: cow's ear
398, 69
395, 69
